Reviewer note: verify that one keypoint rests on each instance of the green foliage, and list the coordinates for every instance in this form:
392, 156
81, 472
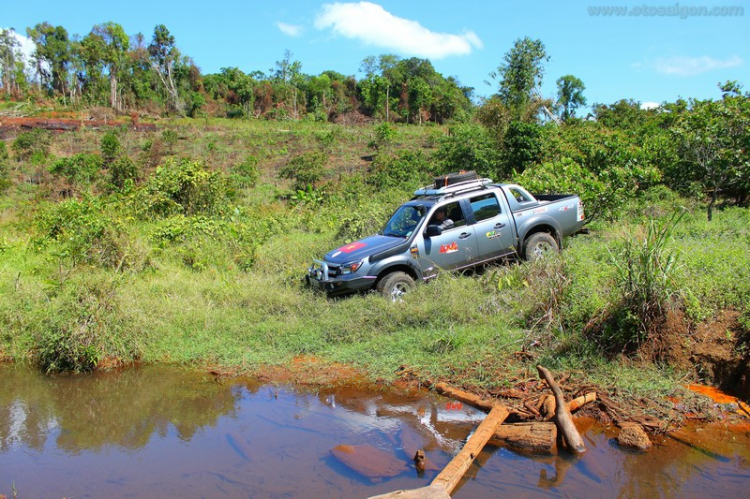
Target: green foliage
646, 267
385, 134
522, 146
4, 169
32, 145
79, 169
82, 232
306, 169
406, 169
183, 186
469, 147
570, 95
520, 74
122, 174
169, 137
110, 147
245, 174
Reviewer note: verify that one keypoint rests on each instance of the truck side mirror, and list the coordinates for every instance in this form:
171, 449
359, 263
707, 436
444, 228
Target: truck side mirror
433, 230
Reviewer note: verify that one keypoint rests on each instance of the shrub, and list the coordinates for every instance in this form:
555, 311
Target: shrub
306, 169
245, 174
110, 147
469, 147
385, 134
645, 271
77, 169
32, 145
83, 233
183, 186
406, 168
123, 174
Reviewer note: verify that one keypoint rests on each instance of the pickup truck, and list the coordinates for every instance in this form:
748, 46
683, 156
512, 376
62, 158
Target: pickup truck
486, 221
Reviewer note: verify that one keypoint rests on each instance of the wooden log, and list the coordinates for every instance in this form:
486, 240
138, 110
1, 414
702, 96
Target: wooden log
579, 402
452, 474
433, 491
575, 404
466, 397
563, 419
529, 437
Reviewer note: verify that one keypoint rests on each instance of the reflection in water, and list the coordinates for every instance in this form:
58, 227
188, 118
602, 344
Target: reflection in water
156, 432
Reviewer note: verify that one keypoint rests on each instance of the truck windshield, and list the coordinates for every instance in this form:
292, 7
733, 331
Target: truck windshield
404, 222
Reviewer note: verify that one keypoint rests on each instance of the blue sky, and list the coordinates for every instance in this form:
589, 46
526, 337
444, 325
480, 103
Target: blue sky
647, 55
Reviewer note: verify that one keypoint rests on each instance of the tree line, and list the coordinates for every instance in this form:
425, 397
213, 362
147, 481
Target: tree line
107, 67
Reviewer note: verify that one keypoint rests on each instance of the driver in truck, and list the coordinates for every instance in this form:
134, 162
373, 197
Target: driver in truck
441, 219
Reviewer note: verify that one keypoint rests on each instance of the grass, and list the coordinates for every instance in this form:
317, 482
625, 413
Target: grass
236, 299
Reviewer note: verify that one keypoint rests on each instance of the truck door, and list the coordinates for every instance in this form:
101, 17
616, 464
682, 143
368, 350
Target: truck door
493, 227
455, 248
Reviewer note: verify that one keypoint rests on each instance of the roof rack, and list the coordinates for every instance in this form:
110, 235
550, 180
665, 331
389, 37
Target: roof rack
469, 185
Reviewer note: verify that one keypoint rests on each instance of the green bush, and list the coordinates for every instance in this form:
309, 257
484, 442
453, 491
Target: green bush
82, 232
385, 134
245, 174
123, 173
646, 267
78, 169
183, 186
110, 147
408, 169
32, 145
305, 170
469, 147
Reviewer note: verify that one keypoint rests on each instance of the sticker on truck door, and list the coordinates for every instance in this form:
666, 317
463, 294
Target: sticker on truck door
449, 248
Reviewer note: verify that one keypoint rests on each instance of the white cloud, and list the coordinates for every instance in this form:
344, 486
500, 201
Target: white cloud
289, 29
373, 25
27, 45
690, 66
650, 105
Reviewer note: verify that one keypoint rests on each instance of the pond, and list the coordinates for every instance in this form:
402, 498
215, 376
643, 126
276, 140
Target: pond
158, 432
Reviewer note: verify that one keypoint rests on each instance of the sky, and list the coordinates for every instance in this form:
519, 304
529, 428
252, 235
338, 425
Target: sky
656, 52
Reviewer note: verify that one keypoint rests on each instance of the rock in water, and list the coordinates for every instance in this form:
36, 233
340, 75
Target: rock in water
634, 436
369, 461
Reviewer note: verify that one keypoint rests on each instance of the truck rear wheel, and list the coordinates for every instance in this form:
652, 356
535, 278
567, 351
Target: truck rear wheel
395, 285
540, 245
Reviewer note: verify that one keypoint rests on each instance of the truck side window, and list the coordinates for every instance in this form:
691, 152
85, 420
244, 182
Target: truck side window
520, 196
485, 207
453, 212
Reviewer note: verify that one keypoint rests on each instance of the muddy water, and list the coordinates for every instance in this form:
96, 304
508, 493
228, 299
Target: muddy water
164, 433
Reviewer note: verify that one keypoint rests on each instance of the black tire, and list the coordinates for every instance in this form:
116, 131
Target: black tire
455, 178
395, 285
539, 246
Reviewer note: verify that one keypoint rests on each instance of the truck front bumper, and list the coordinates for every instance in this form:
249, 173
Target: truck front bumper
318, 277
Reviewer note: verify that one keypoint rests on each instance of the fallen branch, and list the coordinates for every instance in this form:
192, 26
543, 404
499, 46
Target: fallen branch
466, 397
563, 419
452, 474
530, 437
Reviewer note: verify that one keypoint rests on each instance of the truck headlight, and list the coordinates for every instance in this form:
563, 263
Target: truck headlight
350, 268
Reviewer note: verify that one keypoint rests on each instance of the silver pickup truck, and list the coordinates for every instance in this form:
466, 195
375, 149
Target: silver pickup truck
459, 222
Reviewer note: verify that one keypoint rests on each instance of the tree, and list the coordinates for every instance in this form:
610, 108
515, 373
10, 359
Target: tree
10, 57
713, 142
521, 75
570, 95
288, 72
53, 52
164, 56
109, 44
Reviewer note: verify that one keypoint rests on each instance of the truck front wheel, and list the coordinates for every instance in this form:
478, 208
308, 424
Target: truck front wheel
540, 245
395, 285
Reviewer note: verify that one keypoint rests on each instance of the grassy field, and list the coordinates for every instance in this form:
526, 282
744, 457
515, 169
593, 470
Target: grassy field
200, 261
